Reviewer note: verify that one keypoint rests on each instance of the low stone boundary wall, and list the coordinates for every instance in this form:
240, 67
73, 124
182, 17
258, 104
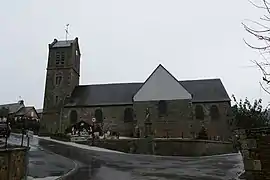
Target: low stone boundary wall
166, 147
13, 163
255, 149
60, 137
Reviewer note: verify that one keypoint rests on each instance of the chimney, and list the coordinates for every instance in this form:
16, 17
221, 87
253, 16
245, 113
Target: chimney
21, 102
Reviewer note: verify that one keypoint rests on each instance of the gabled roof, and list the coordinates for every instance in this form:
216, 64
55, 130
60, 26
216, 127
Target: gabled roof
161, 85
13, 107
205, 90
23, 111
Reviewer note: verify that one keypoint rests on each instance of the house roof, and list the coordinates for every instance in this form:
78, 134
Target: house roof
206, 90
13, 107
39, 111
24, 110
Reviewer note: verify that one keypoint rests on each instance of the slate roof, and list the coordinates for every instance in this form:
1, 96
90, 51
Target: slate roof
23, 111
39, 111
206, 90
13, 107
63, 43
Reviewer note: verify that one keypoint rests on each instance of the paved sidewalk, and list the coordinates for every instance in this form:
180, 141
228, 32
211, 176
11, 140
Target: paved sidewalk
43, 163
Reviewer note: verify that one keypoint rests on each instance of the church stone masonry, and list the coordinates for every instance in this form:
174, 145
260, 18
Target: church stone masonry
63, 72
176, 108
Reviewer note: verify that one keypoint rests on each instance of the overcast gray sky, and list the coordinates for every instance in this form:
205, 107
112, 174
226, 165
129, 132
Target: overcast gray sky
124, 41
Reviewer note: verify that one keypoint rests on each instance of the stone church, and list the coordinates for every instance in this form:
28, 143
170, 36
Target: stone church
174, 108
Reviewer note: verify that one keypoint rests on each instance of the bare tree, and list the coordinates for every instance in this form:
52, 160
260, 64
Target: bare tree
262, 33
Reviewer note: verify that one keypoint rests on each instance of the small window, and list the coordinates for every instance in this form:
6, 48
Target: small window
199, 112
69, 79
162, 108
62, 58
99, 115
128, 115
58, 79
56, 100
57, 58
214, 112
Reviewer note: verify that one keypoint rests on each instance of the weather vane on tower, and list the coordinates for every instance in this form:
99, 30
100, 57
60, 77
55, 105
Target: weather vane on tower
67, 31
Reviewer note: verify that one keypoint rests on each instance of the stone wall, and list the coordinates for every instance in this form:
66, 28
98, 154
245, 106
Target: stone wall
13, 163
49, 123
180, 120
255, 149
167, 147
215, 127
113, 118
56, 92
174, 124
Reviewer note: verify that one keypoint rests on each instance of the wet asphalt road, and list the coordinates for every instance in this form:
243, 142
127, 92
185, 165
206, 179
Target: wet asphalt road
43, 163
214, 168
107, 165
185, 169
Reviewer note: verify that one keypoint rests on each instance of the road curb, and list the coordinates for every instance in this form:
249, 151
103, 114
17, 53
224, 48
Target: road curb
66, 175
70, 173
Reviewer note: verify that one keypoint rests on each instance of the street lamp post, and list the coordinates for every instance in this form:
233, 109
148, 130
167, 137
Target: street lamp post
23, 130
93, 132
7, 134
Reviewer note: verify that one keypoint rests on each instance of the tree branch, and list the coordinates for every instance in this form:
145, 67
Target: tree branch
254, 47
264, 88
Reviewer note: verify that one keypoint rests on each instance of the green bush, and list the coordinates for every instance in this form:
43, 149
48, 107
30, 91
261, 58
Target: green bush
203, 134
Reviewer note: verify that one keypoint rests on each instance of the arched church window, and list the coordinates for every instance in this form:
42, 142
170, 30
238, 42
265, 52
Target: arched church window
199, 113
63, 58
57, 58
162, 108
58, 79
99, 115
214, 112
73, 117
128, 115
60, 58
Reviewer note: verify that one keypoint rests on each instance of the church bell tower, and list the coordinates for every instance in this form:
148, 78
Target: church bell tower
63, 74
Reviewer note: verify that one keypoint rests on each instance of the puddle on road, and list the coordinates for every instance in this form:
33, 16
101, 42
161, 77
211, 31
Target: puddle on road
39, 163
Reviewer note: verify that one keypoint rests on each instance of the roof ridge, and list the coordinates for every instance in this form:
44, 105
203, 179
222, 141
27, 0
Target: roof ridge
9, 104
204, 90
208, 79
110, 84
120, 83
